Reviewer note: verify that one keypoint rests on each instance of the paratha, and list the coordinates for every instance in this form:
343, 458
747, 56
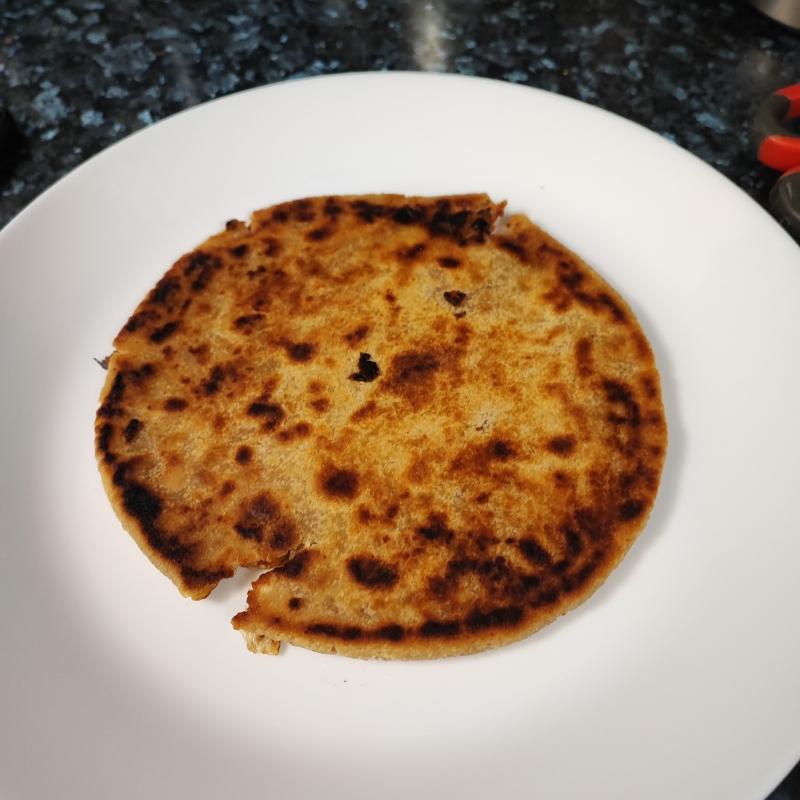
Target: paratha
434, 426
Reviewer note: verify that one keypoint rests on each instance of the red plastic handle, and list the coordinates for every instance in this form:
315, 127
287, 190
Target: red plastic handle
792, 93
780, 152
777, 145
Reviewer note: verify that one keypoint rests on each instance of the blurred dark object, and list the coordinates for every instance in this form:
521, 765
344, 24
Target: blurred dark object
785, 11
777, 146
11, 143
784, 201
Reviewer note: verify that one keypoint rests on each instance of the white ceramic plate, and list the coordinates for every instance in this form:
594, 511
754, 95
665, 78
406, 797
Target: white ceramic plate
679, 679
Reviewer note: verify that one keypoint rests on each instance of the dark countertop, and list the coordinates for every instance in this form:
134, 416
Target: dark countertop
80, 75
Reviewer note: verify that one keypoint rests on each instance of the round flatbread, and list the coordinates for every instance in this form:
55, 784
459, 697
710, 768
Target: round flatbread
437, 428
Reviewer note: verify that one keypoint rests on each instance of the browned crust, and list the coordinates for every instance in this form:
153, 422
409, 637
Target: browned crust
415, 644
513, 392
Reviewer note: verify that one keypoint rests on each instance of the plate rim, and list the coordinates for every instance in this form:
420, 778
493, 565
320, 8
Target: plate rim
391, 75
60, 184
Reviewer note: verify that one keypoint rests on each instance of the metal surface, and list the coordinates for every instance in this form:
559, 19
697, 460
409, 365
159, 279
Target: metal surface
784, 202
785, 11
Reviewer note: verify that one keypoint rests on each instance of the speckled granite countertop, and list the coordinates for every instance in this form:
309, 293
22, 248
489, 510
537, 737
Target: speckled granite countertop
79, 75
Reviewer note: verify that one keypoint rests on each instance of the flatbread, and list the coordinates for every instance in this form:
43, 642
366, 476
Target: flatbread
436, 428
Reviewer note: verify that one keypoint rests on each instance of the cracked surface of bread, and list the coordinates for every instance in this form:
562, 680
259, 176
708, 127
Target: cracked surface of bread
437, 428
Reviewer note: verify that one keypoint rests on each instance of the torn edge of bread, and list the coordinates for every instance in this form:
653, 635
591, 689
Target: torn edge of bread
261, 643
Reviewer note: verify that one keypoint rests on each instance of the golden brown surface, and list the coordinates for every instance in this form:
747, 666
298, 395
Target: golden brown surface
442, 431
